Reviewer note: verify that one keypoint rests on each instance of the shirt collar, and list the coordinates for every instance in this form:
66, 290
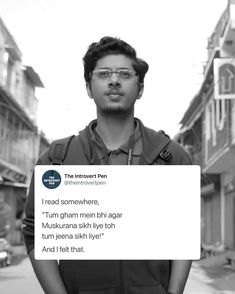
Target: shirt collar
138, 146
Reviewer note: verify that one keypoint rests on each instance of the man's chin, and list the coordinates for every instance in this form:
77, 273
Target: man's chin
115, 111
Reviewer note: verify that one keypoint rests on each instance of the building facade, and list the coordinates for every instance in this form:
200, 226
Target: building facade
208, 126
19, 137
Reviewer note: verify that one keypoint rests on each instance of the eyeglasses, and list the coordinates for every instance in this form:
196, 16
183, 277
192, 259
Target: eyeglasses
123, 73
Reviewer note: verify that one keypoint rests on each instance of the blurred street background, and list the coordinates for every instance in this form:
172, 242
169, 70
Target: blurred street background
207, 276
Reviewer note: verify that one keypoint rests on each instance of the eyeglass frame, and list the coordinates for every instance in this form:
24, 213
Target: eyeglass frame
134, 73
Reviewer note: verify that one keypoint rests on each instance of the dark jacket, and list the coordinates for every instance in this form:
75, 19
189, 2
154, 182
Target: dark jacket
111, 276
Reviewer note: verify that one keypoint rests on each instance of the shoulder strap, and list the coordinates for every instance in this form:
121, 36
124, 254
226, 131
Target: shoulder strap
58, 150
165, 154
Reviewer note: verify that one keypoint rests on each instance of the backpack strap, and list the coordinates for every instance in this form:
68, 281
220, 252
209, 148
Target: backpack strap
58, 150
165, 154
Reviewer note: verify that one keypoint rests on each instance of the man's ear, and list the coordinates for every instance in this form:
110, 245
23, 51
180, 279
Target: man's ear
88, 89
141, 90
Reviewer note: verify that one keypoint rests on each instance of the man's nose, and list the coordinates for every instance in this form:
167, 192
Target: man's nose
114, 80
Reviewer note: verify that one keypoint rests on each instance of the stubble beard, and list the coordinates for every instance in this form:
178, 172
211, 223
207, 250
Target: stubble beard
116, 111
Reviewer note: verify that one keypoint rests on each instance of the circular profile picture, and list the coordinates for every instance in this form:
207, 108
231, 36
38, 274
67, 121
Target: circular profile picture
51, 179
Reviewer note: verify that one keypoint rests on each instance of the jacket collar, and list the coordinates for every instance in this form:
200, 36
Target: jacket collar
153, 143
137, 151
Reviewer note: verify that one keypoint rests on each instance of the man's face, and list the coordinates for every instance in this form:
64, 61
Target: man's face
114, 94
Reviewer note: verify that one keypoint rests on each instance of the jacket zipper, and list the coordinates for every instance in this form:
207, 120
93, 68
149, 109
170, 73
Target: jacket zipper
122, 290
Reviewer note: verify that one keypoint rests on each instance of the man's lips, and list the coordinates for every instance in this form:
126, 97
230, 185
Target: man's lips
114, 93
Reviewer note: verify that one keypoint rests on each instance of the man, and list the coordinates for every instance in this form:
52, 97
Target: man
115, 80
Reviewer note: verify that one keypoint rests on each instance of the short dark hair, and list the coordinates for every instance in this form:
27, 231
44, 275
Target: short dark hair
110, 45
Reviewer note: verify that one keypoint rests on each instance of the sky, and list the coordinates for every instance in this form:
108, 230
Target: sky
171, 36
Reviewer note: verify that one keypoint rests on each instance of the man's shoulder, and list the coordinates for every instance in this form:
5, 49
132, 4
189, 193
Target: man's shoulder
57, 150
69, 150
179, 155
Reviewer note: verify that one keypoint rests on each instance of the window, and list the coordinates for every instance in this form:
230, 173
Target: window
220, 113
208, 123
213, 121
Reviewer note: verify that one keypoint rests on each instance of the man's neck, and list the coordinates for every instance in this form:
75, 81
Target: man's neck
114, 130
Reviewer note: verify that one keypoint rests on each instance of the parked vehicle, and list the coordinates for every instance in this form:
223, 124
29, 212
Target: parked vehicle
5, 252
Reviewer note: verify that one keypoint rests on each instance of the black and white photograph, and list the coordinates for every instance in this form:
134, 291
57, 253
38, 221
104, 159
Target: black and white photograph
126, 83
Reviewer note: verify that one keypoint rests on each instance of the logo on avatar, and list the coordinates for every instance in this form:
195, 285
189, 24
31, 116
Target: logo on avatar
51, 179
